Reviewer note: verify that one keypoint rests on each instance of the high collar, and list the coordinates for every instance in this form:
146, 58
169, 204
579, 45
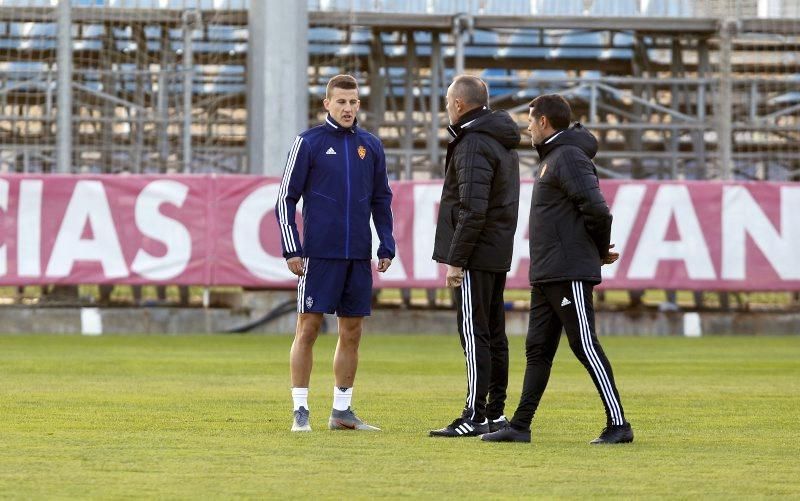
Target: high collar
334, 126
545, 146
466, 120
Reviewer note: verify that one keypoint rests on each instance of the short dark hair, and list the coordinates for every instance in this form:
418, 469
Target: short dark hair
554, 107
472, 90
341, 82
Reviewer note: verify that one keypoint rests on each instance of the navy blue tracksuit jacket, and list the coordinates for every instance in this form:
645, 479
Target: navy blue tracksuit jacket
341, 175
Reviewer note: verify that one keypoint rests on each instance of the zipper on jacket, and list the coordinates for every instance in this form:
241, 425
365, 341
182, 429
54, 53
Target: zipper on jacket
347, 206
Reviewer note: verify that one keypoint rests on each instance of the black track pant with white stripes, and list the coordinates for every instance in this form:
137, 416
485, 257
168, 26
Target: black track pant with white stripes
568, 305
482, 328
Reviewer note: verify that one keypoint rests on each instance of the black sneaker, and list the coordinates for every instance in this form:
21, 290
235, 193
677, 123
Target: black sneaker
497, 424
615, 434
508, 434
462, 427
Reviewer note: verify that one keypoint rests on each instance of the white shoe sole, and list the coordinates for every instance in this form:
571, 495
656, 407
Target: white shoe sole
305, 428
335, 424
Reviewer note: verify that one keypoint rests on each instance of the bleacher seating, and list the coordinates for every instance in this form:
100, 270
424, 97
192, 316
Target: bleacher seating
609, 8
668, 8
454, 6
519, 62
530, 44
505, 7
559, 8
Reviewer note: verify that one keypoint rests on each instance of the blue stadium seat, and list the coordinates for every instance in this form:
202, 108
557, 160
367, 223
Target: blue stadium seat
393, 44
668, 8
559, 8
455, 6
324, 41
424, 42
333, 41
137, 4
359, 42
526, 44
482, 43
622, 46
36, 35
348, 5
409, 6
506, 7
24, 72
221, 79
498, 83
91, 37
26, 3
579, 45
611, 8
593, 45
554, 83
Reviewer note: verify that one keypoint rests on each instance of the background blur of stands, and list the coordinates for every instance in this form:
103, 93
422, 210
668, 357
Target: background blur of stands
674, 89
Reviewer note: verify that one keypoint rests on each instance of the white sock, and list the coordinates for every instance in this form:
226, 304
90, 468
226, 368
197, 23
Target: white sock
342, 398
300, 397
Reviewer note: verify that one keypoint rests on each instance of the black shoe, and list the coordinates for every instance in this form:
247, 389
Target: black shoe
615, 434
497, 424
462, 427
508, 434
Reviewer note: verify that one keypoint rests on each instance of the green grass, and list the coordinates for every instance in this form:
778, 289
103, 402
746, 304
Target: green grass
208, 417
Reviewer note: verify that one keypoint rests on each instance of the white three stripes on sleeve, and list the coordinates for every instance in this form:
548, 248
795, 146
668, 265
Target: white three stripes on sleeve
285, 224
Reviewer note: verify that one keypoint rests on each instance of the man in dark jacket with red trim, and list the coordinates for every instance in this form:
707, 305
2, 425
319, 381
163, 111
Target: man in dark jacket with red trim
570, 231
475, 238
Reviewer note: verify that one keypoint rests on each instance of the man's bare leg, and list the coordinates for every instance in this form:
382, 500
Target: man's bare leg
345, 360
301, 357
345, 364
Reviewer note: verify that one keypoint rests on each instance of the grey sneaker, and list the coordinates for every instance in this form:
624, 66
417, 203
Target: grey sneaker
301, 420
347, 420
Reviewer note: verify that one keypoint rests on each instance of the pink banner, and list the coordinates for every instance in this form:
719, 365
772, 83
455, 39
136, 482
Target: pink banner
221, 230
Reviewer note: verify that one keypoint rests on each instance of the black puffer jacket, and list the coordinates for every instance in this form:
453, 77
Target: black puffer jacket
480, 197
570, 223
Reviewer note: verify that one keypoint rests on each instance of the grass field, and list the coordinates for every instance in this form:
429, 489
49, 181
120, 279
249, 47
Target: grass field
208, 417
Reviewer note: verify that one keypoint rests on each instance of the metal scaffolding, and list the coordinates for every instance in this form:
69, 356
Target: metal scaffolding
166, 90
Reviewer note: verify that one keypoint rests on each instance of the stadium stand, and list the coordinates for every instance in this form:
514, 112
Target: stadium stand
645, 74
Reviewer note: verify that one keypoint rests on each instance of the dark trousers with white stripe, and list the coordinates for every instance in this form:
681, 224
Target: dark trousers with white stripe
568, 305
482, 328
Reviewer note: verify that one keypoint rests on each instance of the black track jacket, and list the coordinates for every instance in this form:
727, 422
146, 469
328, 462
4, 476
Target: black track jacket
570, 223
480, 197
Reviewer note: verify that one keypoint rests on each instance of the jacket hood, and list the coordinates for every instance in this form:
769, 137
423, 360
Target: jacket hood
577, 135
500, 126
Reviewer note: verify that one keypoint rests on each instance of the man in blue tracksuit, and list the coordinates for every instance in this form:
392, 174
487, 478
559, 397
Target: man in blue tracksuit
340, 172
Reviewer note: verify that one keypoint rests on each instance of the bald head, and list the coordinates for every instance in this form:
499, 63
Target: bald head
472, 90
464, 94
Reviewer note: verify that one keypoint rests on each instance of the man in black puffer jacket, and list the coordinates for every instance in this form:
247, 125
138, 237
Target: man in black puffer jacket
475, 238
570, 231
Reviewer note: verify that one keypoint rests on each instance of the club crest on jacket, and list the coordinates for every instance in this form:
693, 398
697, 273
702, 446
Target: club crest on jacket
362, 152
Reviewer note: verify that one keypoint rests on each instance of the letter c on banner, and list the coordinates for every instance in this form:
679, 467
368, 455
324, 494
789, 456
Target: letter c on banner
246, 238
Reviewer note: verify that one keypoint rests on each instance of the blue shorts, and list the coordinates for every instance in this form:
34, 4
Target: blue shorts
343, 286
